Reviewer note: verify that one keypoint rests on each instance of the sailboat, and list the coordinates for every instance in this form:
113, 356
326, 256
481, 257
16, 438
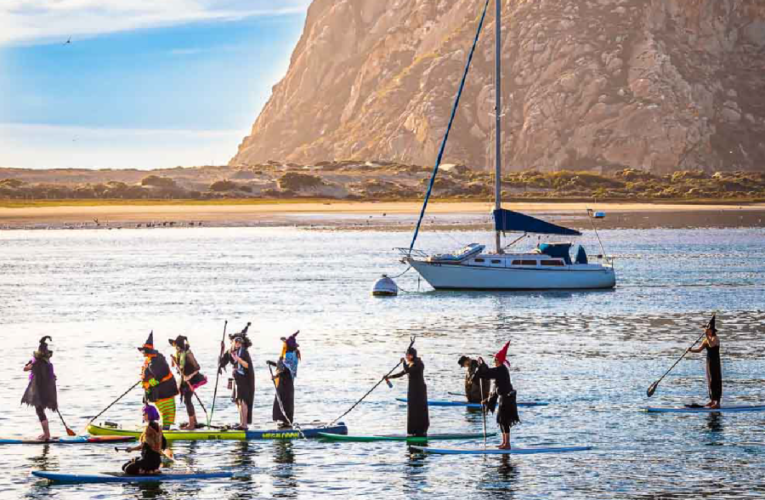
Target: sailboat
548, 267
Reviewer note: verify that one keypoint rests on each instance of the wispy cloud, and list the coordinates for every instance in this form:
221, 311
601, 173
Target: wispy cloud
25, 21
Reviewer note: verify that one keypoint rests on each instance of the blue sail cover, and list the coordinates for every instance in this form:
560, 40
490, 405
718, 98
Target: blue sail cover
509, 221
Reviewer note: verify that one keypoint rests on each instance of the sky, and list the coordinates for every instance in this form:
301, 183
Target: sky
178, 83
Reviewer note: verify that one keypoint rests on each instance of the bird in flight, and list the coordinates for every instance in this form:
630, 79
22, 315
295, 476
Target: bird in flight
68, 41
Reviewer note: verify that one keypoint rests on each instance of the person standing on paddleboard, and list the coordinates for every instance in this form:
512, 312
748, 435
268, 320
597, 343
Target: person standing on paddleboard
191, 378
158, 382
714, 365
244, 375
503, 396
473, 386
151, 445
284, 379
41, 391
417, 418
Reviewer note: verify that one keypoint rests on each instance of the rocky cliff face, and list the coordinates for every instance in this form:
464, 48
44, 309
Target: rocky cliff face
658, 85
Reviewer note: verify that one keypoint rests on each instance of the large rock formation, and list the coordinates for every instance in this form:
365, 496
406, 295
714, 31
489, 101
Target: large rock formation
651, 84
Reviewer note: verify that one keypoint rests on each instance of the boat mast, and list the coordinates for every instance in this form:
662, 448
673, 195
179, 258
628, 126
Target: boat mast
498, 117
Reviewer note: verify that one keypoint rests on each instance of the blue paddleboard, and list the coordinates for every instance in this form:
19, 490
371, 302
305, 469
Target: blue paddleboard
57, 477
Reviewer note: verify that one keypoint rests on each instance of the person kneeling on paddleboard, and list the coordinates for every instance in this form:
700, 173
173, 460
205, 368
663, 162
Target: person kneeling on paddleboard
474, 390
152, 444
417, 418
191, 378
714, 366
503, 396
41, 391
158, 382
244, 376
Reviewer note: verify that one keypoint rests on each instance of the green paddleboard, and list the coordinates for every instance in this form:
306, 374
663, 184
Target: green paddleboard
401, 437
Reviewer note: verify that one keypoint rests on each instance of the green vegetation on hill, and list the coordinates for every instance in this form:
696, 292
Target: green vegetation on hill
374, 181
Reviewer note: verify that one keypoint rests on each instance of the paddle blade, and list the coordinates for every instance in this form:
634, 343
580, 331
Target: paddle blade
652, 389
70, 432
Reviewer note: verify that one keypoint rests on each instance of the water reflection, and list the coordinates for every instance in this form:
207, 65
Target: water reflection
415, 472
284, 475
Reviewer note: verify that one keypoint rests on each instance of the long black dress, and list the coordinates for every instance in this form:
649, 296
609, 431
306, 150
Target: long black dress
417, 418
714, 372
473, 384
41, 391
285, 390
503, 396
244, 379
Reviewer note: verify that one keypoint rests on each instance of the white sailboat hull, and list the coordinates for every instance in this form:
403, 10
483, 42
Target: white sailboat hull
469, 277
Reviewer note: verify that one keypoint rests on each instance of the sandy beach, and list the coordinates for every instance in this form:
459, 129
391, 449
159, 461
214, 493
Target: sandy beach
342, 214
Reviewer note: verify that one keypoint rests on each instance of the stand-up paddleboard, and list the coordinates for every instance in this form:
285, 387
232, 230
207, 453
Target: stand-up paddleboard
57, 477
70, 440
701, 409
495, 451
473, 405
222, 434
402, 437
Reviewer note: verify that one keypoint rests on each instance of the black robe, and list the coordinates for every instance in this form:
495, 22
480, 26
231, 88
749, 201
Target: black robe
158, 369
417, 418
714, 372
503, 396
245, 384
41, 391
473, 384
285, 390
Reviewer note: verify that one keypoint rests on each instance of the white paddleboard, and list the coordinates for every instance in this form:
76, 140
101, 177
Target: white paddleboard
495, 451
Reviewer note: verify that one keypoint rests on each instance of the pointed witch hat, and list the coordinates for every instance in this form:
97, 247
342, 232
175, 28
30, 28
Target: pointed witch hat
148, 346
712, 325
501, 356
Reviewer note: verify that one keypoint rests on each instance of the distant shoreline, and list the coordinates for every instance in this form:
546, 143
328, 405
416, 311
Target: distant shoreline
333, 214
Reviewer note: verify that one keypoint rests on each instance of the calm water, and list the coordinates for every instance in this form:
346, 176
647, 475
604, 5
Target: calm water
591, 355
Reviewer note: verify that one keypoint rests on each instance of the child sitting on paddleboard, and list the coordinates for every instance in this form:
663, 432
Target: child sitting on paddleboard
152, 442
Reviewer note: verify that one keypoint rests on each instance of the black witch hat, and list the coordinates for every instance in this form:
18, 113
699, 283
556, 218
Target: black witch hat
148, 346
712, 324
42, 350
242, 334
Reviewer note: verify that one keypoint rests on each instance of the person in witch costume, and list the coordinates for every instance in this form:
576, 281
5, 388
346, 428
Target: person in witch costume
158, 382
711, 343
191, 378
41, 392
502, 398
417, 418
244, 375
151, 444
473, 386
284, 379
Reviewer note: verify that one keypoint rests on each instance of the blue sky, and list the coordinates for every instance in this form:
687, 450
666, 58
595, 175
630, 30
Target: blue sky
142, 87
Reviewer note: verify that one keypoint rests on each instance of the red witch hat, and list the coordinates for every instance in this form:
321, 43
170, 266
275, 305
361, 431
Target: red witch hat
501, 356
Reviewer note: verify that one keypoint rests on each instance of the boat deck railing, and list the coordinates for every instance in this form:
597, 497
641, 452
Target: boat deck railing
405, 252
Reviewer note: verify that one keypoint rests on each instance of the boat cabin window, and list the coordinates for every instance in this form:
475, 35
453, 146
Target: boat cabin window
496, 261
479, 260
524, 263
552, 262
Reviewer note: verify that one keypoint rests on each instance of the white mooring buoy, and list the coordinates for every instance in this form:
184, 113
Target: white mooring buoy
385, 287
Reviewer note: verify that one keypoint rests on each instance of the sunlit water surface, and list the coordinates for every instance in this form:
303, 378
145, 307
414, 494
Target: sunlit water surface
591, 355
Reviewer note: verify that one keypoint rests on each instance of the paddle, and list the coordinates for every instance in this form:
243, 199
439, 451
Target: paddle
483, 411
385, 377
69, 431
113, 403
279, 400
653, 386
217, 377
